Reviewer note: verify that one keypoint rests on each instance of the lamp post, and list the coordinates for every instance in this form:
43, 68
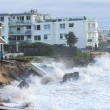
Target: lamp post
17, 47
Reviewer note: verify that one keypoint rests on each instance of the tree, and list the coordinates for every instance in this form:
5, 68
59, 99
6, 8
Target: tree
71, 39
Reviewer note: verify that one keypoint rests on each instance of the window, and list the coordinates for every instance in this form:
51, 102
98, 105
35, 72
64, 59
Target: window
93, 24
17, 17
89, 40
71, 24
38, 37
45, 36
62, 36
0, 24
62, 26
38, 27
22, 37
47, 26
28, 37
28, 27
21, 17
1, 18
28, 17
18, 29
89, 25
13, 17
18, 37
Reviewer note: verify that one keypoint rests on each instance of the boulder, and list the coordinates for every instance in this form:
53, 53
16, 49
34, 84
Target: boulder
68, 76
23, 84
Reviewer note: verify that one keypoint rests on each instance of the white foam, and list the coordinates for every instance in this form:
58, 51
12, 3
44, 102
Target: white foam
91, 91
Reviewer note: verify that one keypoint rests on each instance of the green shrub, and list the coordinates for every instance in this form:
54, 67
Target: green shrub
80, 55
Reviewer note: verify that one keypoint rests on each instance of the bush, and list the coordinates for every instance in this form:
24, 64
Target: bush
82, 56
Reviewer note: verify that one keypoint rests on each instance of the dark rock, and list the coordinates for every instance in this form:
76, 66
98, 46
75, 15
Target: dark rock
23, 84
68, 76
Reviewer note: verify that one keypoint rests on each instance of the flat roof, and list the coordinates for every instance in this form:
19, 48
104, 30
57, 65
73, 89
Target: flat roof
25, 13
2, 41
4, 14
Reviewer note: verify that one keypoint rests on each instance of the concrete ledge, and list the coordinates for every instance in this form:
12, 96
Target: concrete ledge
37, 69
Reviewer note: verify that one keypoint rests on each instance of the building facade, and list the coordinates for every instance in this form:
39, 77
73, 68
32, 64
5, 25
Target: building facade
2, 42
104, 38
104, 34
35, 27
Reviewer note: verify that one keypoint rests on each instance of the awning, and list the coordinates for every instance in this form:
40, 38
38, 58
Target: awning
2, 41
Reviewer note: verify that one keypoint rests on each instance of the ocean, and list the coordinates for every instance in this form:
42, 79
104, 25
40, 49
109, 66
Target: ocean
90, 92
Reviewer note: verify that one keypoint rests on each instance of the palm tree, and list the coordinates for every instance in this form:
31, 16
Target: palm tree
71, 39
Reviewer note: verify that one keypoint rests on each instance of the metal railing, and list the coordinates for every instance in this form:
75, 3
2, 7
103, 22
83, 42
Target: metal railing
28, 32
21, 22
91, 29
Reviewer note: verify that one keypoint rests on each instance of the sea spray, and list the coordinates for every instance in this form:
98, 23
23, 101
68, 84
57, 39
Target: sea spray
91, 91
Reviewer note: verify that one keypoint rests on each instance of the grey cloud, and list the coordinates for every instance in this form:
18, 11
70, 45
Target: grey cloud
63, 8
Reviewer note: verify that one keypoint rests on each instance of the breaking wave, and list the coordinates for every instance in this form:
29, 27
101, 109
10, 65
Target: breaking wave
90, 92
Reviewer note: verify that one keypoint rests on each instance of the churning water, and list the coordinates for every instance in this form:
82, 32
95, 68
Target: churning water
90, 92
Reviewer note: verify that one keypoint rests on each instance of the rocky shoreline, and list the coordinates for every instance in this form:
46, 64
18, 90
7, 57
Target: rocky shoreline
13, 71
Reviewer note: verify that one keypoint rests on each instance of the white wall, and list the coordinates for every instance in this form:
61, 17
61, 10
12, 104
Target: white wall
5, 28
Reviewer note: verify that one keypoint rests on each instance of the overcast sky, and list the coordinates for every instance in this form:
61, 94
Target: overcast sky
100, 9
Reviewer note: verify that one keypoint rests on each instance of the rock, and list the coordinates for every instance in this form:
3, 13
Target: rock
68, 76
23, 84
26, 105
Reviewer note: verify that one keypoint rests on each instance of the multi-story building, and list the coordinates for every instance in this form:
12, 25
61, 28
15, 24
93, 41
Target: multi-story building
104, 37
2, 41
34, 27
104, 34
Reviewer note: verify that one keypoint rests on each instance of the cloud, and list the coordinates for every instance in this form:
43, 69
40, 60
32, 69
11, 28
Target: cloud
60, 8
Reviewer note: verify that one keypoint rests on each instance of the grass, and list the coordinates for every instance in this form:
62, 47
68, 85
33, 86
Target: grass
24, 57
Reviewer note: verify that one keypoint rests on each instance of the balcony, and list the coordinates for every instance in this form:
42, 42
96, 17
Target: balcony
93, 29
28, 32
20, 41
12, 23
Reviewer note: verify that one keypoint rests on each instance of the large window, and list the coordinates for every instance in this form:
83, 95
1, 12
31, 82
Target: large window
22, 37
18, 29
28, 27
71, 25
62, 36
38, 37
47, 26
28, 17
1, 18
21, 17
18, 37
13, 17
37, 27
29, 37
62, 26
45, 36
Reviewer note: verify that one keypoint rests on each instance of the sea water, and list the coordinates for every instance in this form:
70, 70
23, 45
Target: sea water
90, 92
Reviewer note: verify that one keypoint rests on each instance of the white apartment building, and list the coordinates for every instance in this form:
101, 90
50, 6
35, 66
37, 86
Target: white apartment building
35, 27
2, 42
104, 34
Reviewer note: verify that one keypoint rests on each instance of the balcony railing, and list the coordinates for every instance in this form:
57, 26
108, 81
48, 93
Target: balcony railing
28, 32
19, 22
92, 29
20, 41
